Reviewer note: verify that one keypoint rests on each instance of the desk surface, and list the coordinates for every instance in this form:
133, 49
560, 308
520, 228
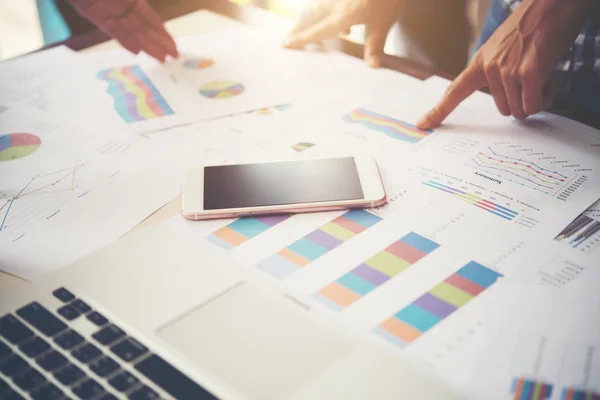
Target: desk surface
202, 21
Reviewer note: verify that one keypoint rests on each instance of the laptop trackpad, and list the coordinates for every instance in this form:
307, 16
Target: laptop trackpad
256, 342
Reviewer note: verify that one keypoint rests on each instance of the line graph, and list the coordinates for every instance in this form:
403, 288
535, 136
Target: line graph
527, 173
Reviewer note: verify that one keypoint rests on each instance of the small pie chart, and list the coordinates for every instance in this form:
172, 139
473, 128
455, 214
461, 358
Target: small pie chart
18, 145
221, 89
198, 63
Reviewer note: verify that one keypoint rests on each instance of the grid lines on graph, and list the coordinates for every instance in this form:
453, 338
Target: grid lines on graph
318, 243
374, 272
411, 322
389, 126
477, 201
243, 229
528, 389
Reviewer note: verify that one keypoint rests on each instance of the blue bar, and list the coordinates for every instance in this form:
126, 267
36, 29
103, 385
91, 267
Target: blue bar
326, 302
477, 273
362, 217
355, 283
278, 267
219, 242
417, 317
419, 242
248, 227
389, 337
307, 249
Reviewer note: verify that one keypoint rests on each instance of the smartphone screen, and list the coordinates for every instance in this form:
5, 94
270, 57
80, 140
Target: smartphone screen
281, 183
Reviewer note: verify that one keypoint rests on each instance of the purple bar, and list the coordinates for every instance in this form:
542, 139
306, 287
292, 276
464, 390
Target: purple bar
272, 220
370, 274
434, 305
323, 239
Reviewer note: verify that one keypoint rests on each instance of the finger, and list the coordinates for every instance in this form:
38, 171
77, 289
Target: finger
153, 49
550, 91
307, 18
531, 97
163, 39
463, 86
324, 29
497, 90
375, 43
150, 19
131, 43
514, 97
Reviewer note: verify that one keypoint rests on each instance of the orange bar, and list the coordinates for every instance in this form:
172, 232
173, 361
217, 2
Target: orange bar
519, 389
401, 329
230, 236
293, 257
339, 294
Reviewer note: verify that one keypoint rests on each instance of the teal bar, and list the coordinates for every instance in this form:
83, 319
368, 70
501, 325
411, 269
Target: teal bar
419, 242
356, 284
477, 273
417, 317
362, 217
307, 249
248, 227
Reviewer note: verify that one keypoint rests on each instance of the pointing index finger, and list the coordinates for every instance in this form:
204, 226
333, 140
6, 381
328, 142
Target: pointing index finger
470, 80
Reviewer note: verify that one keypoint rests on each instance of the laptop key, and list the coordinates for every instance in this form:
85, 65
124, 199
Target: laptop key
108, 334
41, 319
104, 366
34, 347
47, 392
69, 313
69, 339
86, 353
69, 374
29, 379
123, 381
143, 393
63, 295
88, 389
12, 365
4, 350
14, 330
97, 318
52, 360
172, 380
129, 349
81, 306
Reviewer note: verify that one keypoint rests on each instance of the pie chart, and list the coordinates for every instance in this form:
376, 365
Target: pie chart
18, 145
221, 89
198, 63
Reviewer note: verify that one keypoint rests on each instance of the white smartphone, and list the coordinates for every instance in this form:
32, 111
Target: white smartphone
226, 191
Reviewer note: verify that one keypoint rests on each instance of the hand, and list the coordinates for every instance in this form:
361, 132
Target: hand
332, 17
516, 62
133, 23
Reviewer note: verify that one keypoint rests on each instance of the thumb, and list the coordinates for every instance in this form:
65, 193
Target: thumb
375, 43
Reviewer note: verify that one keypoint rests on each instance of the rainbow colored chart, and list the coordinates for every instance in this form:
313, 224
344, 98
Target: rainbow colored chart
374, 272
243, 229
18, 145
579, 394
477, 201
302, 146
222, 89
527, 389
198, 63
318, 243
135, 96
582, 229
271, 110
410, 323
391, 127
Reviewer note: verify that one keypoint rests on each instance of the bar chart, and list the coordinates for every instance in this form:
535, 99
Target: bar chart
243, 229
529, 389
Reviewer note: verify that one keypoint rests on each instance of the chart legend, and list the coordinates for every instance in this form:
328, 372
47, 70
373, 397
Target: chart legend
243, 229
477, 201
579, 394
318, 243
299, 147
135, 96
441, 301
526, 389
374, 272
391, 127
198, 63
18, 145
222, 89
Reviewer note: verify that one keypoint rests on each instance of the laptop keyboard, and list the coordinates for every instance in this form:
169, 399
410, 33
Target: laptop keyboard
42, 356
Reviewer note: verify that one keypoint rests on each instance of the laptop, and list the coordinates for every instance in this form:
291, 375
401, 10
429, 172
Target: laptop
155, 316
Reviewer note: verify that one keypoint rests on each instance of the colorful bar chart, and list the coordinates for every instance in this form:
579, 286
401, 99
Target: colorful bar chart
424, 313
391, 127
527, 389
477, 201
374, 272
318, 243
243, 229
579, 394
580, 231
135, 96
